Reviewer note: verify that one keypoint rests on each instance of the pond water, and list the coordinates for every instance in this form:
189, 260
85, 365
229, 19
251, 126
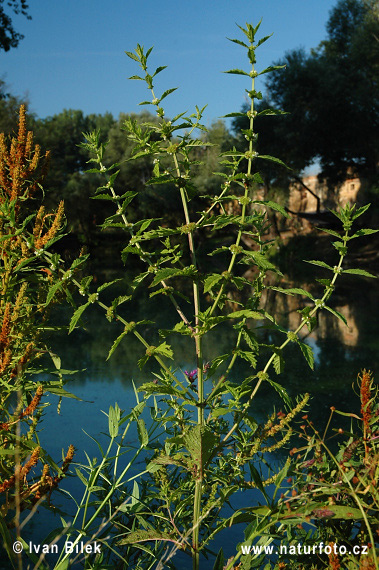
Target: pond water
341, 352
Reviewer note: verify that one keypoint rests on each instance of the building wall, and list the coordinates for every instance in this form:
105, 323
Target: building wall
300, 200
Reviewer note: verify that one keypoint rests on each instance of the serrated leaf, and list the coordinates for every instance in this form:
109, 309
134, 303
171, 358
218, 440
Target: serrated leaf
331, 232
248, 356
164, 274
273, 159
263, 40
245, 313
336, 314
116, 343
238, 42
308, 353
271, 67
319, 263
263, 262
363, 232
81, 476
359, 272
359, 211
237, 72
273, 206
165, 350
201, 443
281, 391
159, 69
293, 291
211, 281
52, 291
272, 112
143, 435
233, 115
167, 92
76, 316
278, 363
132, 56
145, 535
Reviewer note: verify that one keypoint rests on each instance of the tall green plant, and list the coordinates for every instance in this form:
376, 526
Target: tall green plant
210, 440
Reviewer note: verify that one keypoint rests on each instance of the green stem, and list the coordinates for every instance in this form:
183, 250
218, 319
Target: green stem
143, 256
284, 344
200, 380
243, 213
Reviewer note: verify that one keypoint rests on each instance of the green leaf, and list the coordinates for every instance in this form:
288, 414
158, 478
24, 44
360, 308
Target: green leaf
159, 69
363, 232
272, 112
168, 272
145, 535
52, 291
359, 211
319, 263
116, 343
76, 316
165, 350
81, 477
281, 391
336, 314
211, 281
273, 159
331, 232
263, 40
143, 435
359, 272
245, 313
219, 562
132, 56
248, 356
308, 353
238, 42
135, 494
201, 442
278, 363
271, 67
113, 420
237, 72
262, 261
274, 206
293, 291
164, 95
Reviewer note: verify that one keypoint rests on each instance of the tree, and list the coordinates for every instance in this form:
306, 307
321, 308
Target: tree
66, 179
9, 38
332, 98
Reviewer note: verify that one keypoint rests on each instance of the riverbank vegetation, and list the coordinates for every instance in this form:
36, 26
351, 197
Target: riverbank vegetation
331, 100
189, 223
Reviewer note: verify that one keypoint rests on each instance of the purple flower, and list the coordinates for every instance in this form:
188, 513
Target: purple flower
191, 375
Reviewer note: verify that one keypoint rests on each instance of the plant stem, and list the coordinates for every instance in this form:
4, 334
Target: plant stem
284, 344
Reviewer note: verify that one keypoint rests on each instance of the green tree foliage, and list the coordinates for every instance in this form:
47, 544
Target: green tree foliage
67, 180
9, 109
9, 38
332, 98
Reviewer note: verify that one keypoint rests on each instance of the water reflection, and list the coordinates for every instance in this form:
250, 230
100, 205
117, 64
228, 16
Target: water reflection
341, 352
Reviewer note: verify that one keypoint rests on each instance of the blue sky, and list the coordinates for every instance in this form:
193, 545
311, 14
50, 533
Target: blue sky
73, 53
